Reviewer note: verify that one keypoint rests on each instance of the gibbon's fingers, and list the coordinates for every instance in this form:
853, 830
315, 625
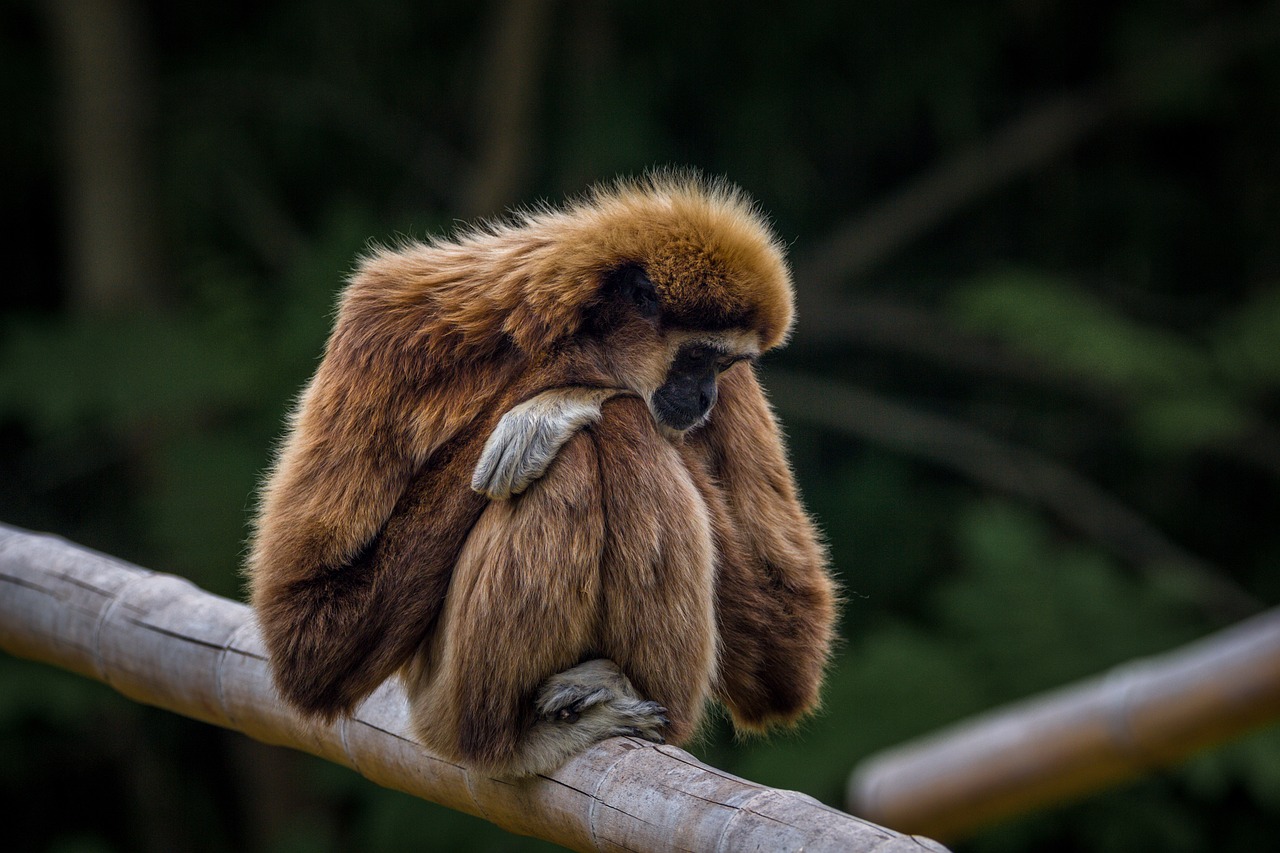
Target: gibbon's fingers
528, 437
620, 714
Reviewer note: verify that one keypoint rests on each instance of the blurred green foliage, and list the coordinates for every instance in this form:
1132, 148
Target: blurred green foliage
1182, 395
1128, 286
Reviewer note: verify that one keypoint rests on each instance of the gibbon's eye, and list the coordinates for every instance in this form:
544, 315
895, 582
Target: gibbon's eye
635, 287
729, 361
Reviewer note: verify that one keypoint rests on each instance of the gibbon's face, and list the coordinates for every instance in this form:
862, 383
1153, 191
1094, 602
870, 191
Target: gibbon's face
688, 361
685, 398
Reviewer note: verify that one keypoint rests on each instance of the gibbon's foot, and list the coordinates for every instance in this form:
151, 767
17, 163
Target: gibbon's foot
578, 708
599, 702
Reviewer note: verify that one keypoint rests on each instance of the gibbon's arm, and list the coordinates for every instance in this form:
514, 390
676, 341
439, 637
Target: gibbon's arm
337, 633
776, 601
608, 556
373, 415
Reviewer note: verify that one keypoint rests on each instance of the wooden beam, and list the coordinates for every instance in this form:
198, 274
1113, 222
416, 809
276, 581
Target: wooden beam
162, 641
1079, 739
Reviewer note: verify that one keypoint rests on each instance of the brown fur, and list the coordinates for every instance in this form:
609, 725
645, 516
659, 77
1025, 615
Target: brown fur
776, 602
688, 563
584, 565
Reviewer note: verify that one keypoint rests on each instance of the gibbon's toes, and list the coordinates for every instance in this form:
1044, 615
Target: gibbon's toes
654, 710
565, 702
649, 734
599, 701
637, 718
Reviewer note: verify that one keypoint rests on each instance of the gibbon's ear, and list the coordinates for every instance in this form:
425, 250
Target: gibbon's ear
630, 285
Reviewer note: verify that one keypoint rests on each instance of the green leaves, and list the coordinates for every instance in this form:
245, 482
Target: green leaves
1071, 329
123, 373
1246, 343
1180, 392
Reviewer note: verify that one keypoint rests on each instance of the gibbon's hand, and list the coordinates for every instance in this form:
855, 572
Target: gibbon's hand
528, 437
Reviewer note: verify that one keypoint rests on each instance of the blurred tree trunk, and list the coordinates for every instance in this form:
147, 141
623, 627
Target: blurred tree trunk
1028, 142
115, 265
108, 185
506, 106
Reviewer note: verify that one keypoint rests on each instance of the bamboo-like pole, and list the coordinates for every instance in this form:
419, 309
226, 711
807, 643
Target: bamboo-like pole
160, 640
1078, 739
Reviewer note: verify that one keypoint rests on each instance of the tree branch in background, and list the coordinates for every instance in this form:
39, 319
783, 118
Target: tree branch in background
112, 231
894, 325
160, 640
986, 460
891, 325
1029, 142
507, 105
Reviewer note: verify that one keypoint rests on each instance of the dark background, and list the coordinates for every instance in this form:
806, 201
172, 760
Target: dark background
1033, 398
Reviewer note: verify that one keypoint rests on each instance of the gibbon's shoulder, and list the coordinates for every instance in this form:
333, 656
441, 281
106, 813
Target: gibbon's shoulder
711, 254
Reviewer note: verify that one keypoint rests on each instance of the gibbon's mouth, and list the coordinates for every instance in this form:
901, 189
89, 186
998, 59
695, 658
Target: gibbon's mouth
684, 424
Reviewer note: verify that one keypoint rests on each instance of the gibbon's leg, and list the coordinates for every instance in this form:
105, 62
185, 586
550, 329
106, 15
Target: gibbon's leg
657, 561
776, 603
500, 686
658, 566
337, 634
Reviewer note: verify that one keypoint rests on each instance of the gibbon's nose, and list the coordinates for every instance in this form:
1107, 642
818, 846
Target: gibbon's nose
707, 392
680, 405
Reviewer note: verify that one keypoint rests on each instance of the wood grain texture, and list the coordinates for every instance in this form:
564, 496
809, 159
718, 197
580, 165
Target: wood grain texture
162, 641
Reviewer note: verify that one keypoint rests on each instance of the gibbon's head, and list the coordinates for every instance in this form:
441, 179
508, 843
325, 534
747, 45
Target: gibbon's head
673, 276
689, 280
708, 251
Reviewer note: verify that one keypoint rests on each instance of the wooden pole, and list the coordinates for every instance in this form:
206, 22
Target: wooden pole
160, 640
1078, 739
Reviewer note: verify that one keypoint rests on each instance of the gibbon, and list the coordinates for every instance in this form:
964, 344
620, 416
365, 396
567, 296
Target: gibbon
536, 476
